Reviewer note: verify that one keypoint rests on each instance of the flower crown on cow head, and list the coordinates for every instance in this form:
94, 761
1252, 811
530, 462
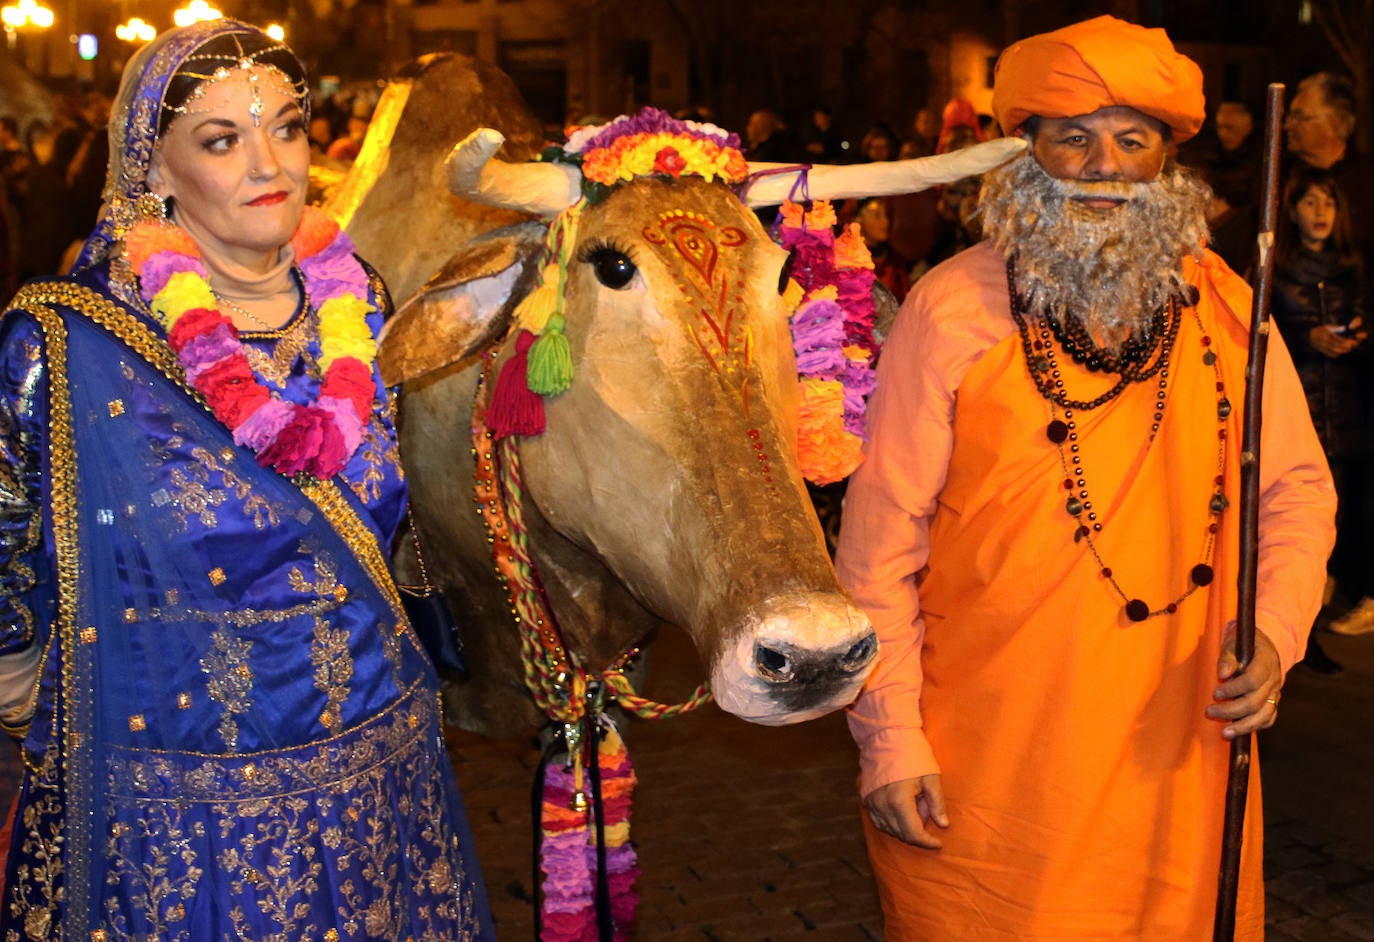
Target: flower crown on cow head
651, 143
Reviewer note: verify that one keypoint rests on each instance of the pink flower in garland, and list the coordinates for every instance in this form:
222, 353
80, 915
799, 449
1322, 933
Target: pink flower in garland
316, 438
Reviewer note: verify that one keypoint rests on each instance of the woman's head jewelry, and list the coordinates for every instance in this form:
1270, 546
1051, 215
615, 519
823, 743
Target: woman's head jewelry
253, 67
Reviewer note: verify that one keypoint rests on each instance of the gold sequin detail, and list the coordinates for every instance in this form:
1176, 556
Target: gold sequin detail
130, 615
331, 935
183, 701
99, 935
88, 635
137, 724
216, 576
116, 408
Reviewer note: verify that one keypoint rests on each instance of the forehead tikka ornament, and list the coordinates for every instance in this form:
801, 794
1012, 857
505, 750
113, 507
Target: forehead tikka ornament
254, 71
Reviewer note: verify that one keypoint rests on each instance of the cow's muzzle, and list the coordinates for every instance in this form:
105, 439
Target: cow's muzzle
804, 656
788, 664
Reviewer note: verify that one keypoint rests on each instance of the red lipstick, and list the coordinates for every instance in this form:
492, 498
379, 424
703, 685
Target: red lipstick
269, 199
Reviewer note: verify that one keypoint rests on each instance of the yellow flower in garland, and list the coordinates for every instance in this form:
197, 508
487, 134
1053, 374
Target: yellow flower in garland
184, 291
344, 331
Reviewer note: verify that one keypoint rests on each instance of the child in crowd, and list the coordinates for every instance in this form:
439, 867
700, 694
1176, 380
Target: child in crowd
1321, 306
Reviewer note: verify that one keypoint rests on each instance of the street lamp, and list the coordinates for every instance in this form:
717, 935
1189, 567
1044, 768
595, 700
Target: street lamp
135, 31
194, 12
26, 13
19, 16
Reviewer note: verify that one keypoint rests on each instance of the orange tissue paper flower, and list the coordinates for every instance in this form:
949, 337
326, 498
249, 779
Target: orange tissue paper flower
313, 235
825, 451
822, 215
850, 250
792, 214
144, 241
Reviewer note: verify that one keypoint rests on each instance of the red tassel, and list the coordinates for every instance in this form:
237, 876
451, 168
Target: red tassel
514, 410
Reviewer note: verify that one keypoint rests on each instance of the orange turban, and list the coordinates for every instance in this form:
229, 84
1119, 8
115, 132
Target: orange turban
1097, 64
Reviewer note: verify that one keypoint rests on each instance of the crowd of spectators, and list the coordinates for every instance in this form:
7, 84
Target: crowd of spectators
51, 176
1320, 303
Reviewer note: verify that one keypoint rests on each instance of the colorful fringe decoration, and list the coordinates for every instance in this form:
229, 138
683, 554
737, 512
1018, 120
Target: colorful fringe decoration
568, 850
832, 336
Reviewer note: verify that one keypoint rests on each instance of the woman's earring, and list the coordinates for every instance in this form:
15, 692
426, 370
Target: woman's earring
151, 208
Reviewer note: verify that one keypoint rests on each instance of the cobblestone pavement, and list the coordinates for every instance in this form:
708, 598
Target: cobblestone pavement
749, 834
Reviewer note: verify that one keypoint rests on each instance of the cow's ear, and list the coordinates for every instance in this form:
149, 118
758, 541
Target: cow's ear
463, 308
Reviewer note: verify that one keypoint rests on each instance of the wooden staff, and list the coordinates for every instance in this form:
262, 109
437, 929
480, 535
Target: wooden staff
1238, 779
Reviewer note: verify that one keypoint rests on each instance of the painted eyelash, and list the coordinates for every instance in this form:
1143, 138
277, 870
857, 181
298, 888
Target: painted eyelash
604, 245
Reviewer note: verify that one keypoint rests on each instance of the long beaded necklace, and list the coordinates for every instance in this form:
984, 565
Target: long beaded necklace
1039, 347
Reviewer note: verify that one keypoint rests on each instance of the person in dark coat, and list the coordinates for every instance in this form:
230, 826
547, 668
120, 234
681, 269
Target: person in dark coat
1321, 305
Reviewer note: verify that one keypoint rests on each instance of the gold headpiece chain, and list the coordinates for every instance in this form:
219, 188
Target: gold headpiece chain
252, 69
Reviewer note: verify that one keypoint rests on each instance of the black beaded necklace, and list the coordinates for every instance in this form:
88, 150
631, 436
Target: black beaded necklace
1149, 358
1083, 349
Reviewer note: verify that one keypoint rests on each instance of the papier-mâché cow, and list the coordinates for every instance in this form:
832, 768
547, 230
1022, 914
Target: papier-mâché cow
665, 486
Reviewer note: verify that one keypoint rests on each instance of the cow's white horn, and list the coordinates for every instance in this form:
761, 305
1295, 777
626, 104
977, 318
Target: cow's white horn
883, 178
545, 189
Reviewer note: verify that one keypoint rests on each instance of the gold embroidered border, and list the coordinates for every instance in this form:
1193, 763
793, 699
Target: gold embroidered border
73, 749
109, 315
150, 775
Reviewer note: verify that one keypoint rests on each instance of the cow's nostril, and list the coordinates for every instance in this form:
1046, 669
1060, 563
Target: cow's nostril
773, 665
857, 657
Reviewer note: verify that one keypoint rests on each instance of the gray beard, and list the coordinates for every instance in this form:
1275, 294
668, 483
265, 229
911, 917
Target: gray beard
1109, 270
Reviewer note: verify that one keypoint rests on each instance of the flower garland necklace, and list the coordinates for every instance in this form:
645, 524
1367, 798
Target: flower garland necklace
316, 438
831, 293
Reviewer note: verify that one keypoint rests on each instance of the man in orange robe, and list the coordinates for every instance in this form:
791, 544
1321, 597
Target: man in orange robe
1044, 533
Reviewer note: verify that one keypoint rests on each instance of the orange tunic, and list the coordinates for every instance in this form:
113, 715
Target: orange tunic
1084, 785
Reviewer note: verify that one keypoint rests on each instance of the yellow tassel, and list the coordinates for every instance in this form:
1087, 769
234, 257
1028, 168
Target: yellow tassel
533, 313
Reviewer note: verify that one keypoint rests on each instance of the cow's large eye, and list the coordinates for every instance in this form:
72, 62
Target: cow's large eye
786, 273
613, 268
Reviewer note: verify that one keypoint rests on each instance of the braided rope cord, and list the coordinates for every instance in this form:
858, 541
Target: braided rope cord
557, 683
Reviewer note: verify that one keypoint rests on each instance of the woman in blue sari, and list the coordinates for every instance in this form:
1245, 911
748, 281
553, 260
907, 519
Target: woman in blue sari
229, 727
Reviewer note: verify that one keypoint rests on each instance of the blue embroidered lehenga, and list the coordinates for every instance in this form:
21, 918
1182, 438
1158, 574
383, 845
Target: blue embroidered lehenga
237, 734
